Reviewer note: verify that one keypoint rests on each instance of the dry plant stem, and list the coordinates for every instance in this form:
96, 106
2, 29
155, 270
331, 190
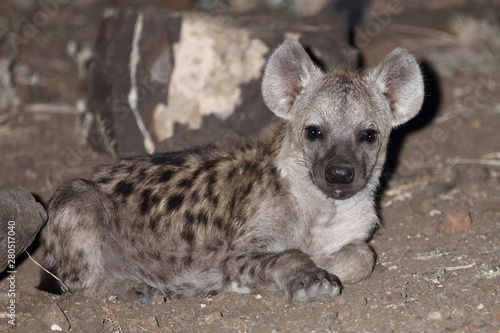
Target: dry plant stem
459, 160
451, 115
425, 32
66, 289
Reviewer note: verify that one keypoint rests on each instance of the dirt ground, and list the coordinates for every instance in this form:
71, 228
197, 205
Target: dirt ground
438, 266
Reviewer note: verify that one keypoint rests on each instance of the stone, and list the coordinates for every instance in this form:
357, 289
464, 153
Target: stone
156, 73
159, 300
455, 222
344, 315
211, 317
235, 324
54, 318
21, 218
436, 315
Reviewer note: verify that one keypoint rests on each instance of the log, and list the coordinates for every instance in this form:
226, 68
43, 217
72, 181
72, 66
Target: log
156, 73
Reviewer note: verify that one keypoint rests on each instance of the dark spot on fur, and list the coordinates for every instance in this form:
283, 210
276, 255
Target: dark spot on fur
277, 186
202, 218
148, 200
186, 182
258, 256
130, 168
252, 270
270, 263
212, 179
172, 159
124, 188
165, 176
242, 268
116, 168
104, 180
175, 202
232, 205
172, 260
210, 164
218, 222
232, 173
195, 197
214, 199
188, 235
189, 217
247, 189
250, 168
210, 193
188, 261
153, 223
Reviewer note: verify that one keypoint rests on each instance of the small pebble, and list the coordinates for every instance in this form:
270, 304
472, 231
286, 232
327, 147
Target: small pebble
435, 316
54, 318
159, 300
211, 317
344, 315
455, 222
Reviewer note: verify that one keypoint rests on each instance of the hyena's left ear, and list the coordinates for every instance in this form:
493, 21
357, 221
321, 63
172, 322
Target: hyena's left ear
287, 73
400, 79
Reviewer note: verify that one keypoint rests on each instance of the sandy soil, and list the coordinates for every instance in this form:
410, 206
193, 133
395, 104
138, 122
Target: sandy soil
438, 266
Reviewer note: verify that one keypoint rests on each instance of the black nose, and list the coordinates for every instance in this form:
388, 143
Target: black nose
339, 174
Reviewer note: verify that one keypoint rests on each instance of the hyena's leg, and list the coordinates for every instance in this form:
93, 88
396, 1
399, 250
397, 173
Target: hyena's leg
73, 237
352, 263
292, 271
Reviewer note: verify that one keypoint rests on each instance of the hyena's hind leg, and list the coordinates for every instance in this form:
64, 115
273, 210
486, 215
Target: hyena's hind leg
73, 237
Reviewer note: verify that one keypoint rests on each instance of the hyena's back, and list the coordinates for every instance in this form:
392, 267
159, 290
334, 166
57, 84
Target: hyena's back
159, 224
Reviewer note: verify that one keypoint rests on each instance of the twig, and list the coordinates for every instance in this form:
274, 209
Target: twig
463, 112
426, 32
454, 268
471, 161
66, 289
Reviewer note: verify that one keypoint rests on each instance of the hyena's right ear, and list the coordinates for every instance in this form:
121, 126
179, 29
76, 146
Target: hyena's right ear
287, 73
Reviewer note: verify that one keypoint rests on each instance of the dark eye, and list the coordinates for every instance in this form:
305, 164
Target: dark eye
368, 135
313, 132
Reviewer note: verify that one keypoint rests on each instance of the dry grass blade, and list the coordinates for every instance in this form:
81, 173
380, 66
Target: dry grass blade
66, 289
471, 161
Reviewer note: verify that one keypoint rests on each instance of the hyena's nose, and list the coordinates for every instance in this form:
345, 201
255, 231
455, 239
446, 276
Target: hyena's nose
339, 174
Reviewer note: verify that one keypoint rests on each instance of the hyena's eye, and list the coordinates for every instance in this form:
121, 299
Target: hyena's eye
313, 132
369, 135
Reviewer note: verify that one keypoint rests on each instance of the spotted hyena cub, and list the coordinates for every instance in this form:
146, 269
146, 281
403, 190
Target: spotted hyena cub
291, 213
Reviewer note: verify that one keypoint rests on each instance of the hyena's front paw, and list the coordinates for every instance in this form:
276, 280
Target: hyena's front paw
310, 283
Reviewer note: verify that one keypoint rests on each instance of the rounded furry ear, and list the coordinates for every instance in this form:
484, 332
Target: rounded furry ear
399, 77
287, 73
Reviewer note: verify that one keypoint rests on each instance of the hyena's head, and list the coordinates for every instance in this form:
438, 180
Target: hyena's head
339, 122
